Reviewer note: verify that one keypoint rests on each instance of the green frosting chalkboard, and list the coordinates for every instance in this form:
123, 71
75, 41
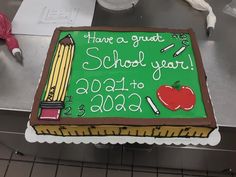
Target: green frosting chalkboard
130, 75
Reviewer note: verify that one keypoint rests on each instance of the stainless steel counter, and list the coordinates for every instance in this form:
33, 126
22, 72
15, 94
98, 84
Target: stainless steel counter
18, 85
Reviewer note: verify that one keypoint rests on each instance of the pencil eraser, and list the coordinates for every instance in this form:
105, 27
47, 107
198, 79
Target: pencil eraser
49, 114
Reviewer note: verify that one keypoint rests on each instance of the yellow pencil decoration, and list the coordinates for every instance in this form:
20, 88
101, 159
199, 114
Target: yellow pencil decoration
49, 96
67, 76
59, 75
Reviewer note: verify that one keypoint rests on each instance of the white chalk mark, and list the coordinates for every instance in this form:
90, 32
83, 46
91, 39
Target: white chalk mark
179, 51
152, 105
167, 48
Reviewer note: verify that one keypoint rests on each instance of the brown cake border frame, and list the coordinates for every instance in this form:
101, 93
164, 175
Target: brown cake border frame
209, 121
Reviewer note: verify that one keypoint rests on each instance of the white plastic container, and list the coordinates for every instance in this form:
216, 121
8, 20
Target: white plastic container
117, 5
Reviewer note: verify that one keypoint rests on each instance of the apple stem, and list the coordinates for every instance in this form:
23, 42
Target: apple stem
177, 85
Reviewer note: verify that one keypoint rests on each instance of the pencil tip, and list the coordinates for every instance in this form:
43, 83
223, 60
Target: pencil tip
210, 31
69, 36
67, 40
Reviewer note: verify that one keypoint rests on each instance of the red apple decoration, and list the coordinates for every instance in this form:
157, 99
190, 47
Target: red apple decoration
176, 96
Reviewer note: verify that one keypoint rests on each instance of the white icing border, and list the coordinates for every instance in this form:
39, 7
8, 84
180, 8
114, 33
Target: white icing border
32, 137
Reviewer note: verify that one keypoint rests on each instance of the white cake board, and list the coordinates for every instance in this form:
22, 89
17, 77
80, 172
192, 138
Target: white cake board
32, 137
